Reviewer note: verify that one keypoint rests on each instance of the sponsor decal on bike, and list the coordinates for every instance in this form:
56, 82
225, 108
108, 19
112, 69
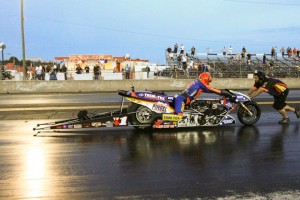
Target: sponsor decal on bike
109, 124
162, 124
227, 120
120, 121
97, 124
155, 97
159, 108
77, 126
86, 125
171, 117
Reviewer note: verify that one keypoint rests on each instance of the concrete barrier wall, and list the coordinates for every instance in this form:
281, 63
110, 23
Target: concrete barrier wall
72, 86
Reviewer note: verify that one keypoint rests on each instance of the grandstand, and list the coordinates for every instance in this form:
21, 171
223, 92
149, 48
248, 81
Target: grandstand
229, 67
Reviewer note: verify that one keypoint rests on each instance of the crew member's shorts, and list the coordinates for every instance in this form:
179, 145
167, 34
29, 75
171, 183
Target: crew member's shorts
279, 101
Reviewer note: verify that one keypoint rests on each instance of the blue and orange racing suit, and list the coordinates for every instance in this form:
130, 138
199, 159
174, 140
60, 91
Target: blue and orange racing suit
191, 93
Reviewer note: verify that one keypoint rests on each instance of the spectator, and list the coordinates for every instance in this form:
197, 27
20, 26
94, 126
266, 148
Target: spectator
171, 55
294, 52
52, 74
244, 50
191, 64
96, 72
174, 72
169, 50
179, 60
39, 72
175, 48
230, 50
238, 57
78, 69
64, 70
273, 52
181, 49
184, 64
249, 58
155, 72
224, 51
289, 52
148, 71
282, 51
127, 71
264, 59
87, 69
193, 50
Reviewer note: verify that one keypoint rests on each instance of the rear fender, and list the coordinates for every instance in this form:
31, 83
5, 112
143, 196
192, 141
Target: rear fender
157, 107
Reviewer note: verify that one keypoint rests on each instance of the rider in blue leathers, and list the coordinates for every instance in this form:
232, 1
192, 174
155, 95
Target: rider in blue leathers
199, 85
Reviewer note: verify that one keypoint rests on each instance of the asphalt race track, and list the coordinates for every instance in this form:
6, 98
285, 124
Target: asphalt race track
231, 162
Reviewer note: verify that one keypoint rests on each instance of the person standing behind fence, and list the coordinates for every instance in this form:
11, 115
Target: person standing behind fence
294, 52
264, 59
184, 64
181, 49
244, 51
147, 70
249, 58
155, 72
87, 69
78, 69
282, 50
230, 50
127, 71
224, 51
193, 50
272, 52
64, 70
52, 74
175, 48
39, 72
96, 72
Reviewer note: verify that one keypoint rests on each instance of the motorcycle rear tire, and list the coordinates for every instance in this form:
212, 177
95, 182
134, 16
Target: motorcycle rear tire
244, 116
140, 116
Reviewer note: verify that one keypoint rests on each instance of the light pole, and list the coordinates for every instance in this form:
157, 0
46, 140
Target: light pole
23, 41
2, 47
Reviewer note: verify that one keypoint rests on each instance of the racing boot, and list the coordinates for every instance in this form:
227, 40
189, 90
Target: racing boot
297, 112
284, 121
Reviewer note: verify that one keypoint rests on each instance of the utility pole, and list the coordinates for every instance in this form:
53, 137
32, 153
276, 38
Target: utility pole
2, 47
23, 42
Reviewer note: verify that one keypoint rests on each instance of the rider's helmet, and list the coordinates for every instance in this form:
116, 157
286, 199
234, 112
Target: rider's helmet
205, 77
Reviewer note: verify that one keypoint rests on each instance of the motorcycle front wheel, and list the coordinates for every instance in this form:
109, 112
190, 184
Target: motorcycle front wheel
140, 116
250, 115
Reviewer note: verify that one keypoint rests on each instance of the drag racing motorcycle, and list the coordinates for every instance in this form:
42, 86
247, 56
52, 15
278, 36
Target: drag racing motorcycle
149, 109
156, 110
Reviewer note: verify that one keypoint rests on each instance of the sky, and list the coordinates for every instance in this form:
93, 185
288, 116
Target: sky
145, 28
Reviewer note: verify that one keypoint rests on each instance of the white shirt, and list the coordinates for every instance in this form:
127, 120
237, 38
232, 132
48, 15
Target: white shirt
39, 69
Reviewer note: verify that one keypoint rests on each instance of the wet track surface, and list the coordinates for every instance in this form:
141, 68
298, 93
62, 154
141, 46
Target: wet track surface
231, 162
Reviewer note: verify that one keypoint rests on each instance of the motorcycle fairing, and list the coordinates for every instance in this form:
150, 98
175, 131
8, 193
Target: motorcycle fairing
227, 119
240, 97
158, 107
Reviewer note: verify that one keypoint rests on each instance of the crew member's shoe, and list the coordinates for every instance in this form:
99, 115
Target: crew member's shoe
284, 121
297, 112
